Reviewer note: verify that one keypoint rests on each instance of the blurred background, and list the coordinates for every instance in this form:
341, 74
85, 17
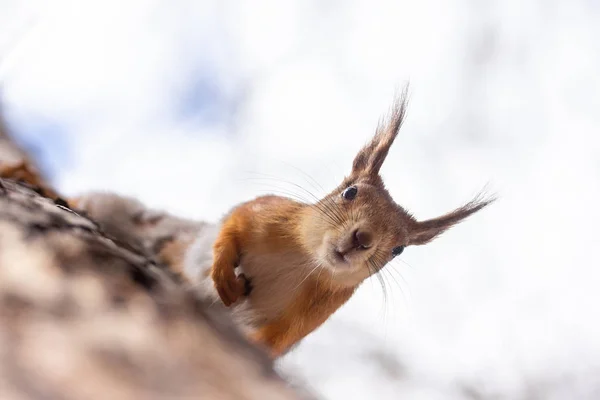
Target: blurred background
194, 106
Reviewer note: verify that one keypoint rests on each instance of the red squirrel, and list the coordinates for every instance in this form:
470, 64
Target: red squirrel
298, 262
303, 261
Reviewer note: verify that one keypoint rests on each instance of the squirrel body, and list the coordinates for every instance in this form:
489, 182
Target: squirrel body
261, 239
264, 237
297, 263
281, 267
284, 267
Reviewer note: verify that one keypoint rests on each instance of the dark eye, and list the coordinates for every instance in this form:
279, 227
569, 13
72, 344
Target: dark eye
350, 193
396, 251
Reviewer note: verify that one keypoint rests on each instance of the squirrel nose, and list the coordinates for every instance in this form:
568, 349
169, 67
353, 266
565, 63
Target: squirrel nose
362, 239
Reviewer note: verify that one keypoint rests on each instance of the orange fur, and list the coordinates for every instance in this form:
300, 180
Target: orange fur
245, 229
315, 303
271, 233
304, 261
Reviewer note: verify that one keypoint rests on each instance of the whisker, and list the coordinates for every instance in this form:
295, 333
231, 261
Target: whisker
272, 177
382, 284
335, 209
332, 220
307, 276
325, 205
372, 273
306, 175
295, 195
399, 274
405, 263
259, 181
319, 274
388, 272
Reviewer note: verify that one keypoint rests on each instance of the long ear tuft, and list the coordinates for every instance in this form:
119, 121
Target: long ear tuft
425, 231
371, 157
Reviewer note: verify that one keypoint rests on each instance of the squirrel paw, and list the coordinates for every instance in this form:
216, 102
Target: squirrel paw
247, 284
231, 287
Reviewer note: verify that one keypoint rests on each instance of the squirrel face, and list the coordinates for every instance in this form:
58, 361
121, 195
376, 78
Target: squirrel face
358, 228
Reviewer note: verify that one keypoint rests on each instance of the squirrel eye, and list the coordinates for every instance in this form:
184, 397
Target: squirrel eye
350, 193
396, 251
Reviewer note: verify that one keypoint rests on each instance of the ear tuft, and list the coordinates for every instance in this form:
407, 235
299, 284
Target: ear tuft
426, 231
371, 157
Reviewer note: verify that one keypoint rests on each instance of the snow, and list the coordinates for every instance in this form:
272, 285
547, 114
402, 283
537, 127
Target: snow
195, 106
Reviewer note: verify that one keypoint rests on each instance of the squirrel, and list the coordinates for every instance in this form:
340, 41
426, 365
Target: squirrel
297, 263
279, 266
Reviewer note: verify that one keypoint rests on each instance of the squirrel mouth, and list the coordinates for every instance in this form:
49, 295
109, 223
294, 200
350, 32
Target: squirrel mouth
340, 257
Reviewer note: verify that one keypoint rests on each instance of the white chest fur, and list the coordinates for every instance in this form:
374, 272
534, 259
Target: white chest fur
274, 277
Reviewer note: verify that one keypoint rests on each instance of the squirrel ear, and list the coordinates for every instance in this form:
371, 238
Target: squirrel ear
371, 157
425, 231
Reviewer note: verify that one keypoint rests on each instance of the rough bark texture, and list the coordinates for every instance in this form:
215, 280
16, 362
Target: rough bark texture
84, 315
159, 235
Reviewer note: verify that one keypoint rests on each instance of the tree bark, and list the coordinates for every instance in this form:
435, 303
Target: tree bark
85, 315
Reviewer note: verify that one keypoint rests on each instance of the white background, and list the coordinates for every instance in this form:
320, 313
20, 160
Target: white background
193, 106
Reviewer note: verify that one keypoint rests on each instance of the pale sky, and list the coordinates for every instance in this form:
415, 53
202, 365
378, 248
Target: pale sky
193, 106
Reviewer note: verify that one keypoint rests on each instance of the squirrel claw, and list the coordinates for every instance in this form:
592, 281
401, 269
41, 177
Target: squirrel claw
247, 284
232, 288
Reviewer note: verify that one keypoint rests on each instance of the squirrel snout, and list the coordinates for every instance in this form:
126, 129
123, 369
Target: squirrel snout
358, 240
362, 239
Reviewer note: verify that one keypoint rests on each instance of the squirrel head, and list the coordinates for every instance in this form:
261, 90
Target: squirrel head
358, 228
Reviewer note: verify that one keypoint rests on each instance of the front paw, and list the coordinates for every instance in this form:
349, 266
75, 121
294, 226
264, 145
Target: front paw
230, 287
247, 284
